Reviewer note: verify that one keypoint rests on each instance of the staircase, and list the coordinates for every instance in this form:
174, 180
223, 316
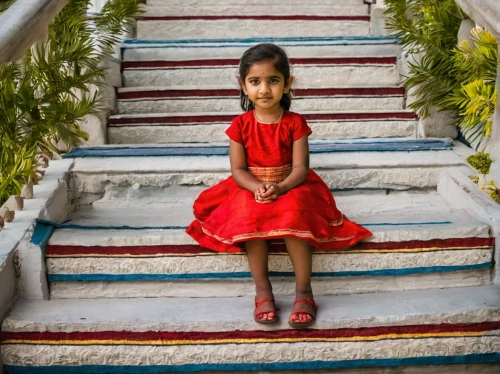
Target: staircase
132, 293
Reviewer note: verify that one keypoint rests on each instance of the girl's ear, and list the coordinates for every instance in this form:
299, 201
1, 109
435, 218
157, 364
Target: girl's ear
289, 83
242, 86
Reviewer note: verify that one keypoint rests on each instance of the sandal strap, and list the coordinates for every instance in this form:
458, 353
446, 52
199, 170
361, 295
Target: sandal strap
265, 300
310, 302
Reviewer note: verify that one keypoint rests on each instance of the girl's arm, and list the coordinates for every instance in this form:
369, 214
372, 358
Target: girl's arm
300, 165
239, 170
300, 168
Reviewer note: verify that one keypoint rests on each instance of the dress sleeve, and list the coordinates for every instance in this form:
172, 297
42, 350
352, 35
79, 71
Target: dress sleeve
234, 131
300, 128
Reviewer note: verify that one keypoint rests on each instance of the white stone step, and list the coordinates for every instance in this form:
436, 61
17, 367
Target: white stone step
344, 170
178, 100
162, 128
418, 242
305, 9
307, 76
293, 3
249, 27
165, 335
334, 47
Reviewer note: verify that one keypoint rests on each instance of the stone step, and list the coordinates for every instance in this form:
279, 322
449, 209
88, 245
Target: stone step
247, 26
438, 327
304, 9
347, 170
419, 242
162, 128
178, 100
217, 74
298, 47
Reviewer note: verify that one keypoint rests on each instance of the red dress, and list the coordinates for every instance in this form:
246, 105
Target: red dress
227, 215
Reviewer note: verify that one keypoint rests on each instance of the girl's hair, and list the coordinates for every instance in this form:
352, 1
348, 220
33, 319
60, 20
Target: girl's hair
261, 53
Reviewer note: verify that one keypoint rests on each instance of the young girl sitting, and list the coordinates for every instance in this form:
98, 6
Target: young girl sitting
272, 193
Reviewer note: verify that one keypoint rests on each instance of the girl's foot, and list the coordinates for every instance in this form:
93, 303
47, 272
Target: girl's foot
265, 309
303, 313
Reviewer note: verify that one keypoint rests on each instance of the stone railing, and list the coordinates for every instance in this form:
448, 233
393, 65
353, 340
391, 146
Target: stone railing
21, 26
25, 23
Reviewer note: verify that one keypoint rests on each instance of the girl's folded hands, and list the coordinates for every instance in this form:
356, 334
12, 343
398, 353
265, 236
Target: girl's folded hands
267, 193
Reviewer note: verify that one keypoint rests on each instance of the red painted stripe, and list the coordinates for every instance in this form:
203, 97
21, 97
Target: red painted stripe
208, 119
259, 18
259, 334
235, 62
158, 94
276, 247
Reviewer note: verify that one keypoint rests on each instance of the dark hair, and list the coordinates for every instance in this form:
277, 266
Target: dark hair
260, 53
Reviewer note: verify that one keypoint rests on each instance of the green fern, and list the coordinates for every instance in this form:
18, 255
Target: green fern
43, 101
5, 4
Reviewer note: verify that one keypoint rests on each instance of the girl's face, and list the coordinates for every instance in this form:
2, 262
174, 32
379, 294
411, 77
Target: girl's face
264, 86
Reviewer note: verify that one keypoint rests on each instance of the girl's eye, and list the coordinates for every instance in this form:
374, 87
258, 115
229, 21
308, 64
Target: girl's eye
273, 81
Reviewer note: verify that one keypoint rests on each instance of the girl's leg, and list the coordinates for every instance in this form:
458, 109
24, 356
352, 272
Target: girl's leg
300, 253
257, 253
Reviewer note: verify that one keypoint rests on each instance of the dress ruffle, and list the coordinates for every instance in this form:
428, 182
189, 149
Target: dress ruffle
227, 215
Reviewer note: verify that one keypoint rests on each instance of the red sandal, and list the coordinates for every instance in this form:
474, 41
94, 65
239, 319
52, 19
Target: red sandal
265, 321
302, 325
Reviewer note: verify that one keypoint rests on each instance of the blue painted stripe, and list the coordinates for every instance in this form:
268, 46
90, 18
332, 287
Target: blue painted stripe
307, 365
42, 233
125, 227
240, 275
406, 223
340, 39
207, 150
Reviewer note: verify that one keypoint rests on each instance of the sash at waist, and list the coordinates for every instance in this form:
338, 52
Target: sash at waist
273, 175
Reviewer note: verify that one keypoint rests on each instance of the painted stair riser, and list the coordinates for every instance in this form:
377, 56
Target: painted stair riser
214, 105
236, 266
144, 134
247, 28
181, 52
306, 9
244, 356
281, 286
201, 3
306, 77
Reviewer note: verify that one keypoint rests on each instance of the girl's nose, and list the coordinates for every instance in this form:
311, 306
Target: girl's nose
264, 88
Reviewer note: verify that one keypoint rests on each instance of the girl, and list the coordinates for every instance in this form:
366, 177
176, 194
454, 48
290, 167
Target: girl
272, 193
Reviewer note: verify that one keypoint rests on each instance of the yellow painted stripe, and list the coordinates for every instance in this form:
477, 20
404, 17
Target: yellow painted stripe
255, 340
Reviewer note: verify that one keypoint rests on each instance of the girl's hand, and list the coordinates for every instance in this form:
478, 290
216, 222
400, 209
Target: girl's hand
272, 192
259, 192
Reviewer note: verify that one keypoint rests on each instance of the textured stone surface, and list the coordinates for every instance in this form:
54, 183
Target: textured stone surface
245, 353
306, 76
214, 105
175, 10
241, 28
148, 52
453, 305
198, 133
378, 18
281, 286
394, 170
95, 128
460, 192
322, 263
198, 3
